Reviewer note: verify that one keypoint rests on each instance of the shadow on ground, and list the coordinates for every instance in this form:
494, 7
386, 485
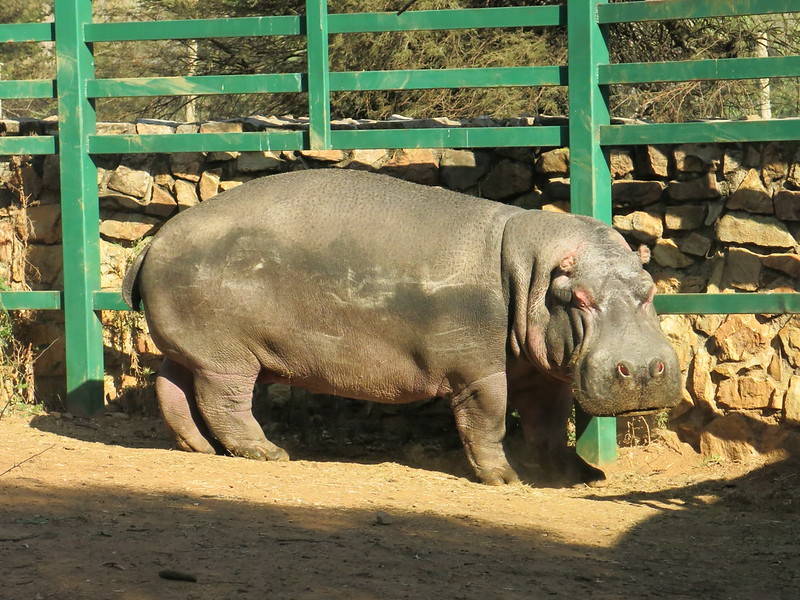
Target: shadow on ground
115, 548
713, 539
729, 537
112, 543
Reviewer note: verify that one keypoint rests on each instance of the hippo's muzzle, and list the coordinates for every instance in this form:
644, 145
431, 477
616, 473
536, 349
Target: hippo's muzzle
628, 371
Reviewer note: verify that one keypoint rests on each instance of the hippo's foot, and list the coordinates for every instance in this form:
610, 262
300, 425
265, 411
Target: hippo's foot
224, 401
480, 414
188, 446
259, 451
577, 472
497, 475
593, 477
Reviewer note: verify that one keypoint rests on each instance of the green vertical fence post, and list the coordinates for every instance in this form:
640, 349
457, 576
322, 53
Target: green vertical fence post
319, 87
79, 208
590, 175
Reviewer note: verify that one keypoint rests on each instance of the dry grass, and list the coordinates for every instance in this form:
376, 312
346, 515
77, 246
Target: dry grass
16, 357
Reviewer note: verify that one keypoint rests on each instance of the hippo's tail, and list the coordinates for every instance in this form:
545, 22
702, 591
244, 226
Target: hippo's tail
130, 284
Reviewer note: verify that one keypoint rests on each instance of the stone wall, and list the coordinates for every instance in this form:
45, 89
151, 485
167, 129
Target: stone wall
716, 218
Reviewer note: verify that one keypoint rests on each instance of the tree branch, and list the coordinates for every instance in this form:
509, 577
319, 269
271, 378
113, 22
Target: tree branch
22, 462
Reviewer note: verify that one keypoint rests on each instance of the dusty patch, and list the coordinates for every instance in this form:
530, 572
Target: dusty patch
107, 506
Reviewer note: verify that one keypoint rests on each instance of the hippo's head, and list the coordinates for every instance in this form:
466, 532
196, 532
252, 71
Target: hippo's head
603, 331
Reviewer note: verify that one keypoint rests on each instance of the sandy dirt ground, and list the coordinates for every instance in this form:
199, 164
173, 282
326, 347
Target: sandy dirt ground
105, 509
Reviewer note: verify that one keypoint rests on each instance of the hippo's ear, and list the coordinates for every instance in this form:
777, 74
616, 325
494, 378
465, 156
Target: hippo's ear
644, 254
567, 263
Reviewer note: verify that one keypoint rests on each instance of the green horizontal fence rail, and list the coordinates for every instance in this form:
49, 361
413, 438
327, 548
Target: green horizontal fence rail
589, 132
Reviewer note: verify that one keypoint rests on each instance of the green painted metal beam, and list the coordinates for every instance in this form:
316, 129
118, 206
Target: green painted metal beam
667, 133
450, 137
773, 130
27, 32
197, 142
596, 437
456, 137
762, 303
30, 301
590, 174
28, 144
691, 70
28, 88
192, 29
339, 81
196, 86
427, 20
319, 84
80, 215
110, 301
423, 79
666, 10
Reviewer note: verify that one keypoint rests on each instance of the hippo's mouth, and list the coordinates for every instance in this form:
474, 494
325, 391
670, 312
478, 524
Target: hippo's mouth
639, 412
634, 412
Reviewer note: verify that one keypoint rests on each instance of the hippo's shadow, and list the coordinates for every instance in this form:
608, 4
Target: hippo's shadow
421, 436
113, 429
441, 454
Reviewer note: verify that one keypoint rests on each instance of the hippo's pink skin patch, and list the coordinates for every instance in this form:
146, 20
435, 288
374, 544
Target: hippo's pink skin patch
584, 298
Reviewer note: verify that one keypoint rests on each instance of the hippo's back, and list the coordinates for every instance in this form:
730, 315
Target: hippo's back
317, 209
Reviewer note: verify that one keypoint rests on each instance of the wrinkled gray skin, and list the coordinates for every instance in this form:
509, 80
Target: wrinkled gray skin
370, 287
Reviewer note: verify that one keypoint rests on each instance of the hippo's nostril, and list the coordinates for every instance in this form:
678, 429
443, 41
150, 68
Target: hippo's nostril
657, 368
623, 369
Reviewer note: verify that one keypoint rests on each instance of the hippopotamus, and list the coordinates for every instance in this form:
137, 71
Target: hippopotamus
369, 287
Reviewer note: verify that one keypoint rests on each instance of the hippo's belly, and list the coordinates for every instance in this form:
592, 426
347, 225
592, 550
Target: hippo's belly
373, 334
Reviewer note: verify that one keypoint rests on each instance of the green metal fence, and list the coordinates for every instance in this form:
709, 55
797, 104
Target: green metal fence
588, 74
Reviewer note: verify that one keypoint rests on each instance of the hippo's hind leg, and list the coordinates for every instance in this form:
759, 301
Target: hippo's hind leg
480, 411
225, 400
175, 393
544, 406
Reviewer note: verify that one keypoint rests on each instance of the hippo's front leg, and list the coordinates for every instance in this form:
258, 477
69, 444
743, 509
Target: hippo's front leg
480, 414
544, 405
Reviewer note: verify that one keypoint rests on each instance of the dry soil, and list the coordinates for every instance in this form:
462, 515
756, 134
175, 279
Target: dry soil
105, 509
